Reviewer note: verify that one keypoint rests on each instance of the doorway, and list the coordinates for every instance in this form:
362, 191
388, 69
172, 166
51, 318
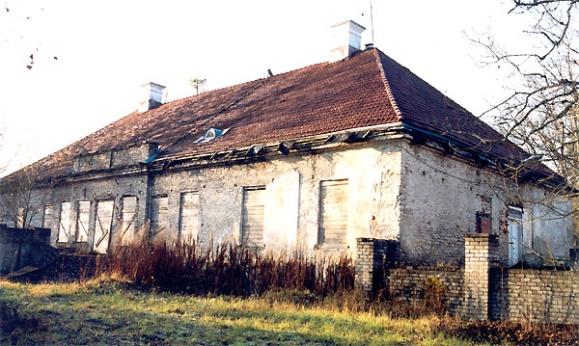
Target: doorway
515, 235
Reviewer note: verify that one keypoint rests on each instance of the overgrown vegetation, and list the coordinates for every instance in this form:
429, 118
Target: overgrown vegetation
241, 272
159, 294
226, 270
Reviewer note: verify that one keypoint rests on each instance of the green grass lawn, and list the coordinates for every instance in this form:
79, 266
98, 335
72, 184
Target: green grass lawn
112, 313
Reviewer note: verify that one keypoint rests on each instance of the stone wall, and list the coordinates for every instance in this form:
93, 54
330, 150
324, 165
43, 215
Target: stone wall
292, 187
292, 196
442, 197
113, 158
94, 191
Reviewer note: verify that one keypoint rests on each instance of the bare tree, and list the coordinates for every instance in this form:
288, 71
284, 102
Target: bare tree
541, 114
18, 203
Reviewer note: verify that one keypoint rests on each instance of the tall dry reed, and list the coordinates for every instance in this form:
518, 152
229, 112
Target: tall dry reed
226, 269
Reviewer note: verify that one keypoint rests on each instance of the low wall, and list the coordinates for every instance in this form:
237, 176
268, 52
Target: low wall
22, 247
66, 268
409, 285
481, 290
537, 296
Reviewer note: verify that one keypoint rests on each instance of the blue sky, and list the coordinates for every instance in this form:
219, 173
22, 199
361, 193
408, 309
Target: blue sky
106, 49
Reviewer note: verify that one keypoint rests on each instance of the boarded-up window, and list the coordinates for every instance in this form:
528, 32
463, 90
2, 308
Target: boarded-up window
128, 216
82, 219
333, 213
189, 217
103, 225
47, 217
64, 231
252, 216
159, 214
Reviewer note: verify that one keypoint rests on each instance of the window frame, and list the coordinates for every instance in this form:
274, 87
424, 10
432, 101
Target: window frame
242, 235
321, 241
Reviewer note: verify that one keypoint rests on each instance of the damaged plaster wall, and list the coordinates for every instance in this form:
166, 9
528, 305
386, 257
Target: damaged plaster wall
548, 225
292, 195
291, 204
441, 197
94, 191
396, 190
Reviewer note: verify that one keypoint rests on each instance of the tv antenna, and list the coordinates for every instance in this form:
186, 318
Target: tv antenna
371, 21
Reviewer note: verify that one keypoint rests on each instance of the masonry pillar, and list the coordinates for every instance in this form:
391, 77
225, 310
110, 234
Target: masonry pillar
373, 258
481, 257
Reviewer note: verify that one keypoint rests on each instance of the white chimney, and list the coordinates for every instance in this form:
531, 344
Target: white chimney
346, 39
153, 95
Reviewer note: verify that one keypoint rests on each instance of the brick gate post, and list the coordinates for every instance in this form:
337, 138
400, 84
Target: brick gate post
373, 258
481, 252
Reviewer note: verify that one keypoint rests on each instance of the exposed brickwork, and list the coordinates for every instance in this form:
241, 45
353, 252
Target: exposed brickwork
538, 296
481, 254
410, 284
483, 290
116, 158
373, 257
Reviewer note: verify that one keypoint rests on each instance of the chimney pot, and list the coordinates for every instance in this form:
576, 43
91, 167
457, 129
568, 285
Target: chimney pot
346, 39
152, 97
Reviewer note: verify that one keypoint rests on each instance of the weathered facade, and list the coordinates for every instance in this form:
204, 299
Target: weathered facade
393, 189
311, 159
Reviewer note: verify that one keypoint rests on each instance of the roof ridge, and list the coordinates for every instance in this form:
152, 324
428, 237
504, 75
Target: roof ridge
192, 97
387, 88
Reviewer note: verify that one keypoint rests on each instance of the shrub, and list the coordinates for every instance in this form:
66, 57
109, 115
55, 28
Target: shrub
434, 295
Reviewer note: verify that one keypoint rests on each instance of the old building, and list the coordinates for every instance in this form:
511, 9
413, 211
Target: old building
312, 158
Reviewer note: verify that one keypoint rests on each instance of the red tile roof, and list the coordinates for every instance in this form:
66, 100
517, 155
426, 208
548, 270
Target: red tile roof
364, 90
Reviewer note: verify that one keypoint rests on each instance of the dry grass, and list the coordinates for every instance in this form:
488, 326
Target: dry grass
142, 295
517, 333
110, 312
